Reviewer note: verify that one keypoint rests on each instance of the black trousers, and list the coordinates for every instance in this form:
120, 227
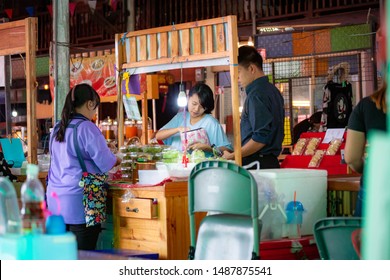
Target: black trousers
86, 236
266, 161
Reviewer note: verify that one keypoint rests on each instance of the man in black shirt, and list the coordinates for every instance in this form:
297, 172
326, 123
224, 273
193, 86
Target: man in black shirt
262, 118
310, 124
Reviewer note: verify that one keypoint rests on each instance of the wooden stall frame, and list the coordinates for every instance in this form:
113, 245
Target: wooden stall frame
212, 42
21, 37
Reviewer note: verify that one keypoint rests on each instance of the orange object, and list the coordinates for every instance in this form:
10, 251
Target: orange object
131, 131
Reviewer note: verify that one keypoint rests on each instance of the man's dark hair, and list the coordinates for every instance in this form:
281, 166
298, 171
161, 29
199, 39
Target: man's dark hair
248, 55
316, 117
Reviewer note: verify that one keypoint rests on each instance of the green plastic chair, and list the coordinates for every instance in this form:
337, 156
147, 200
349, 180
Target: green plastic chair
333, 236
233, 231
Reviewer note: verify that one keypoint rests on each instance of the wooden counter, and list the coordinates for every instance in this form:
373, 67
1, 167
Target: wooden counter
342, 194
344, 183
138, 227
41, 177
164, 228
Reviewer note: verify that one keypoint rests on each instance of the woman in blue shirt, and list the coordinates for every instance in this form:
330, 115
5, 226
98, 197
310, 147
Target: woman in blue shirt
200, 106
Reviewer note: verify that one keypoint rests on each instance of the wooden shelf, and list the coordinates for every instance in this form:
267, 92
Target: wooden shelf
3, 124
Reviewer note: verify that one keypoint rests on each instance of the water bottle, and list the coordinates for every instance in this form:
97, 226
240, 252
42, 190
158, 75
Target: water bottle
33, 202
10, 222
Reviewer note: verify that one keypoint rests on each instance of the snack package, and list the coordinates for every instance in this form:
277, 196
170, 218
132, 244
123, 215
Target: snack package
299, 146
312, 146
333, 147
316, 159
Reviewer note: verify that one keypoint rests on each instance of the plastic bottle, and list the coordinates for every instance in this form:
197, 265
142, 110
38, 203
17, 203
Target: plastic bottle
10, 221
55, 223
33, 202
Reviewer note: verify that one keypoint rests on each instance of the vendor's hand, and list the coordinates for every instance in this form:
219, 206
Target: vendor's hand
199, 146
182, 129
228, 155
118, 161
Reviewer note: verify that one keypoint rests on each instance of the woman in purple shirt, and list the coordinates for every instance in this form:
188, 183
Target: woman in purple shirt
65, 170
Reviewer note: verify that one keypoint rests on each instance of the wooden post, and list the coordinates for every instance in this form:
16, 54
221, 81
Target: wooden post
145, 119
119, 49
235, 93
31, 89
7, 86
21, 37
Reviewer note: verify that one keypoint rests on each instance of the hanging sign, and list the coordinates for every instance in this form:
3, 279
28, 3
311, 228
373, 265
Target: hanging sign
98, 72
131, 107
133, 84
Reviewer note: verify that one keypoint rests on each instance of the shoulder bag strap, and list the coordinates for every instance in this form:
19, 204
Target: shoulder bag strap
77, 148
76, 145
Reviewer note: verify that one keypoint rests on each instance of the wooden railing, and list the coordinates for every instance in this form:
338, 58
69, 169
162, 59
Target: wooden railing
89, 29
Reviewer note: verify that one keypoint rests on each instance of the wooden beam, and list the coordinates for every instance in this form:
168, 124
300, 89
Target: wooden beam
179, 59
163, 45
221, 38
145, 119
119, 57
21, 37
197, 41
143, 48
185, 42
13, 38
209, 41
181, 26
153, 46
31, 88
235, 92
174, 44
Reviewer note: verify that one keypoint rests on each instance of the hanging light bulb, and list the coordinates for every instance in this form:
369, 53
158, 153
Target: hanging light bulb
14, 113
182, 98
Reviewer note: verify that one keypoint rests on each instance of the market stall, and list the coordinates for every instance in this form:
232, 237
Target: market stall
21, 37
195, 44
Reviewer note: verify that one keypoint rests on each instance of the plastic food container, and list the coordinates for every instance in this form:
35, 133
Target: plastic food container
178, 172
152, 177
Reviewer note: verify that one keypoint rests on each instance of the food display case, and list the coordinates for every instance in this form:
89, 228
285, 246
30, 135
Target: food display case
203, 43
334, 164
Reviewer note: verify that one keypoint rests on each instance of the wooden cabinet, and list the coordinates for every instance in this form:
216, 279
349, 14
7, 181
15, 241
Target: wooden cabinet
163, 228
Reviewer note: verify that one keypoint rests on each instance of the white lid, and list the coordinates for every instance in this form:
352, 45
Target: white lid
290, 173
